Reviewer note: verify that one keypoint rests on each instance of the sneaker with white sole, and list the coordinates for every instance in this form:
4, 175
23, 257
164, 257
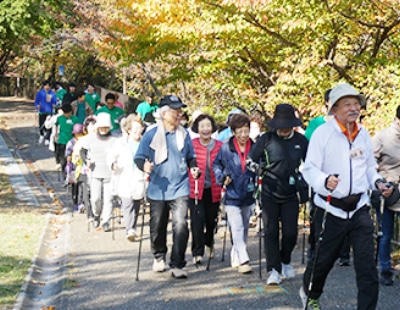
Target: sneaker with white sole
274, 278
132, 236
46, 142
244, 268
41, 139
159, 265
235, 264
179, 273
313, 304
288, 271
197, 260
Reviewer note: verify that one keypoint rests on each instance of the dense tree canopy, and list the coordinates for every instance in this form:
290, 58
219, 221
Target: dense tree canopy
251, 54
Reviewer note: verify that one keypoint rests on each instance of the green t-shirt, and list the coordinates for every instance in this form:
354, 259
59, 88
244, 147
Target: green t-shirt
314, 124
65, 128
60, 94
92, 100
143, 108
115, 113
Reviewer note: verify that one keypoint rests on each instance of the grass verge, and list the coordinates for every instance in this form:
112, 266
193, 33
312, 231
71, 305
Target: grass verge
20, 230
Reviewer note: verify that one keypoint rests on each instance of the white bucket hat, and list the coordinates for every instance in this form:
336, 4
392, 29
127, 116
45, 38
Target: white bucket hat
343, 90
103, 120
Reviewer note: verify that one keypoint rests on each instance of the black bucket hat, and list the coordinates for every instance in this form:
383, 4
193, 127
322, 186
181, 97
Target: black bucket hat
284, 117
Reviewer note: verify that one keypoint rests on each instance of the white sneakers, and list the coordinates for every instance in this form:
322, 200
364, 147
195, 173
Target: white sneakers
235, 264
197, 260
288, 271
46, 142
244, 268
41, 139
58, 166
159, 265
132, 236
274, 278
179, 273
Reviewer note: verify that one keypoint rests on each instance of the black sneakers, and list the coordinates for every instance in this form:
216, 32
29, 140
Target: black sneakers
387, 278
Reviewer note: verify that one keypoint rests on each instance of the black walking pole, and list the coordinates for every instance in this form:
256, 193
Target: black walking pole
379, 232
304, 233
142, 228
259, 215
212, 245
318, 245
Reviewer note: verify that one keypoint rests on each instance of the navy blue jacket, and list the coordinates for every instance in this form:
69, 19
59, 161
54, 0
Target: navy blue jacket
240, 191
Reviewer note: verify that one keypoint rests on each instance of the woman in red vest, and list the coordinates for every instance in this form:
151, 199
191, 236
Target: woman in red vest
205, 198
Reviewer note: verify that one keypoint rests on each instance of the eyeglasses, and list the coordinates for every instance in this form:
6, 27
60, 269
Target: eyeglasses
176, 111
244, 132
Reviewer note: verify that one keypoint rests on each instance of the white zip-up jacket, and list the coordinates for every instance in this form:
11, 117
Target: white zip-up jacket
329, 153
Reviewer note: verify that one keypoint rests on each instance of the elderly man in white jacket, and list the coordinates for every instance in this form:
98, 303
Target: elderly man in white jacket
128, 181
340, 166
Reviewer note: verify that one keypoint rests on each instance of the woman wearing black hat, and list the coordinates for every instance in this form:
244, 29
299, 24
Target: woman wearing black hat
280, 151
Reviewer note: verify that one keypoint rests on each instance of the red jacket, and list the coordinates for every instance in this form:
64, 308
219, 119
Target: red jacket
201, 158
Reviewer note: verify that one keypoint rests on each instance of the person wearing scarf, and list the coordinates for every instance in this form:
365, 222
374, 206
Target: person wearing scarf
165, 152
230, 170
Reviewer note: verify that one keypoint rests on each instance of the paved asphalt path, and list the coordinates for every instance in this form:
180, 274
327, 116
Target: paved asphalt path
100, 272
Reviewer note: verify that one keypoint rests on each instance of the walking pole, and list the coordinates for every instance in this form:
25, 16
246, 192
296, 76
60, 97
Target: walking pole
196, 208
114, 203
260, 233
223, 191
304, 233
212, 245
317, 247
379, 232
142, 228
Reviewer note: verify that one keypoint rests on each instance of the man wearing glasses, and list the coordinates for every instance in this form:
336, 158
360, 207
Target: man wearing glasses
166, 152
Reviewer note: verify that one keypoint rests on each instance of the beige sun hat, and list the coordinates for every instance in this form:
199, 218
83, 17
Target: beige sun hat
344, 90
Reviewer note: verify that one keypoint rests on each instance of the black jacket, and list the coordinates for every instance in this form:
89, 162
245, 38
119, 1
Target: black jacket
281, 157
68, 98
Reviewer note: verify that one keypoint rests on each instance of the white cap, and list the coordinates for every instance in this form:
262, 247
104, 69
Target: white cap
343, 90
103, 120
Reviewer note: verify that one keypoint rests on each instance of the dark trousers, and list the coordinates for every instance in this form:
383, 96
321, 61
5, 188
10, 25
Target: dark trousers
159, 214
359, 230
77, 192
60, 156
42, 129
204, 215
279, 251
344, 253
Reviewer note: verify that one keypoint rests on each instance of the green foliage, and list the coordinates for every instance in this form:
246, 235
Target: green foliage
251, 54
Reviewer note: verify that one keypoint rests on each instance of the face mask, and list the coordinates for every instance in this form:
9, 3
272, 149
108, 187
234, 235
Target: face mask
254, 133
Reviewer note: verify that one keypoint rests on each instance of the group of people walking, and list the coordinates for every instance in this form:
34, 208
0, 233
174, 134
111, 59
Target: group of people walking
197, 172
